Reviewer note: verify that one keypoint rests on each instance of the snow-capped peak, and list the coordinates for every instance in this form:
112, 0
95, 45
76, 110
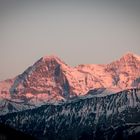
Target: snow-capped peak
129, 54
54, 60
51, 57
130, 57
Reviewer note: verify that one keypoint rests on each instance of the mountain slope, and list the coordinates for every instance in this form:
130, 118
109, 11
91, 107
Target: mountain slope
115, 116
7, 133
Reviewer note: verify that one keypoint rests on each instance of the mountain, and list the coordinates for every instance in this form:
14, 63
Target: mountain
51, 100
50, 80
127, 69
123, 73
91, 117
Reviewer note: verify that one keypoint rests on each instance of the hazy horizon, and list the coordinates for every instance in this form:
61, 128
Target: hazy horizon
77, 31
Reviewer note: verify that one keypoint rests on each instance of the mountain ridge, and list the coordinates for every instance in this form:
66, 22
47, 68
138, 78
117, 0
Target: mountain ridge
71, 120
52, 80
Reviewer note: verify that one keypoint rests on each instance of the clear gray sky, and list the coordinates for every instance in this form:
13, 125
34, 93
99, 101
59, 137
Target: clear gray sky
77, 31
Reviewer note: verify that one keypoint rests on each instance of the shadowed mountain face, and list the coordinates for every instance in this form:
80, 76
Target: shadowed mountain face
110, 117
7, 133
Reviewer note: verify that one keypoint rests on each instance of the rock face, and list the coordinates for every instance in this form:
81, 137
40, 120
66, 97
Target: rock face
96, 116
51, 80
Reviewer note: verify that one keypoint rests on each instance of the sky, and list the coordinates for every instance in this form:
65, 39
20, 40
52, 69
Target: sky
77, 31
